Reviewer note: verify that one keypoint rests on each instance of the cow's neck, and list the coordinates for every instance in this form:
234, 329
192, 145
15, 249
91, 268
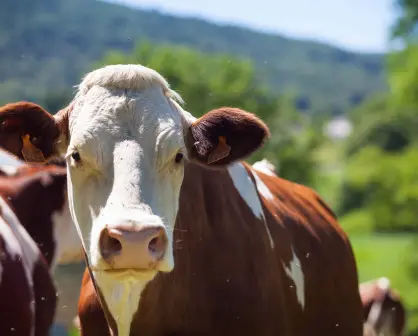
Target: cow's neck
121, 296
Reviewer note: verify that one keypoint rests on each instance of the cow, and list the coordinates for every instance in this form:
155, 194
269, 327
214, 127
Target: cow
27, 292
384, 310
181, 236
37, 196
31, 208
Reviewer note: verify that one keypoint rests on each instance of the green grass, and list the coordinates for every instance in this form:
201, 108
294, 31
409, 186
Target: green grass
390, 255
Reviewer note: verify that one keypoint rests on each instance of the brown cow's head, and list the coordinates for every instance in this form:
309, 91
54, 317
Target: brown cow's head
126, 140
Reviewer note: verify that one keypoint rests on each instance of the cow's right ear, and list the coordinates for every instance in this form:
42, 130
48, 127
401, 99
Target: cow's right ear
30, 132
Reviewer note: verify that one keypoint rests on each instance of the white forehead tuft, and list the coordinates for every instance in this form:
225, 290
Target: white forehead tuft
126, 76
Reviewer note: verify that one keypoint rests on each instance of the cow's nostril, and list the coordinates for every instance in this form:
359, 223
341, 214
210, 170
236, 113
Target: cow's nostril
153, 244
157, 245
109, 246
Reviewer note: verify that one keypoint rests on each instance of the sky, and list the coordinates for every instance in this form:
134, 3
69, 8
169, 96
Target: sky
357, 25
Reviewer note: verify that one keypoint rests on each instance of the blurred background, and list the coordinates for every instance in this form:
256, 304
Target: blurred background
336, 81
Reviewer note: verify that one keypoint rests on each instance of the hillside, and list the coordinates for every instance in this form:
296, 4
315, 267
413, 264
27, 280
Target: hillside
46, 45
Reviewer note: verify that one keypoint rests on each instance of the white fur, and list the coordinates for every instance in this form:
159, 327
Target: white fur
21, 244
245, 186
9, 163
262, 188
383, 283
67, 242
128, 129
123, 291
248, 191
265, 166
295, 272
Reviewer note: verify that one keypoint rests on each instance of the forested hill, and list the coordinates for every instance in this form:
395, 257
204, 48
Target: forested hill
46, 45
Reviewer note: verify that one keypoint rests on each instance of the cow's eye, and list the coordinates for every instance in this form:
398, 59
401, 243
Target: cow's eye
179, 157
76, 156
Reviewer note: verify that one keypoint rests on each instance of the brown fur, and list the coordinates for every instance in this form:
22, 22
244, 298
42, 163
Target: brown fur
228, 281
243, 132
16, 291
18, 119
35, 193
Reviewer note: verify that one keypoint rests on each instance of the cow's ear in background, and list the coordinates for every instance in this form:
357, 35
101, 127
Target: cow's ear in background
28, 131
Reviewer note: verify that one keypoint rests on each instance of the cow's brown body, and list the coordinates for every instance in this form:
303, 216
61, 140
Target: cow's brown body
384, 310
229, 281
34, 194
27, 291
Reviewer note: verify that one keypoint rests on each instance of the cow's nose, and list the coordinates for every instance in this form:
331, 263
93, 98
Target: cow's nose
124, 247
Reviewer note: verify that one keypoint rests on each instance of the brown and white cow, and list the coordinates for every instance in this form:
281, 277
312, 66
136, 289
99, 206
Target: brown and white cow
33, 219
183, 238
384, 311
27, 292
37, 195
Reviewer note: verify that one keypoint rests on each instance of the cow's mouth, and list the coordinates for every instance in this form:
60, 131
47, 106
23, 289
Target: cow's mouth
137, 273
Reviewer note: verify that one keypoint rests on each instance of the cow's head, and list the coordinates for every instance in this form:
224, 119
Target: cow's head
126, 140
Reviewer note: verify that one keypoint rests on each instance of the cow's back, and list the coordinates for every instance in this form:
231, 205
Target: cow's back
317, 257
27, 292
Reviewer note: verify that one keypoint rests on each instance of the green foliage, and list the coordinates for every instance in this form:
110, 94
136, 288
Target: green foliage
206, 82
381, 123
385, 183
405, 26
50, 43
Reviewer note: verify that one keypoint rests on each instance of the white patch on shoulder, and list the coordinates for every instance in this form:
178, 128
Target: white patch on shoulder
248, 191
245, 186
24, 246
265, 166
122, 292
295, 273
262, 188
9, 163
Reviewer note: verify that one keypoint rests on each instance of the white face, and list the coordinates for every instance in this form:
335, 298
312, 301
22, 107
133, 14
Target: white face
125, 170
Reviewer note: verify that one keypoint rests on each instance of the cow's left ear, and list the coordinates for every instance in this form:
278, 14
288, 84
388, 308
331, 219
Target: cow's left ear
225, 135
30, 132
